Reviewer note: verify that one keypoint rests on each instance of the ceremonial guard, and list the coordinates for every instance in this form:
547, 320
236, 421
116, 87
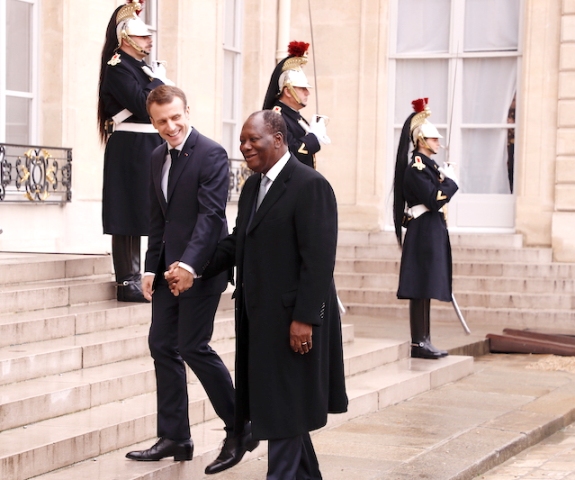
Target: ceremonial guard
287, 94
124, 126
421, 189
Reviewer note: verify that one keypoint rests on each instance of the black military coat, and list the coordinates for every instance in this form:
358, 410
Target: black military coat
302, 144
426, 267
125, 199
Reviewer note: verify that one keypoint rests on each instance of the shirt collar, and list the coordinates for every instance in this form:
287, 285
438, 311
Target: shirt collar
278, 167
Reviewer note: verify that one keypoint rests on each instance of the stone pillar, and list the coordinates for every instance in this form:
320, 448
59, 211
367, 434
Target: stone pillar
563, 224
537, 121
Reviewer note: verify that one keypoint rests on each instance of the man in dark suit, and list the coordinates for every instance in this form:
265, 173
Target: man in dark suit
289, 358
188, 198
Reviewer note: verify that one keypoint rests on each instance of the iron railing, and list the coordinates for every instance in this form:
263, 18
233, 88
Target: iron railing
38, 174
239, 173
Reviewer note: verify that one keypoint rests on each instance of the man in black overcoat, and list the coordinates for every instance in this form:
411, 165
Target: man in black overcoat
289, 358
421, 189
188, 194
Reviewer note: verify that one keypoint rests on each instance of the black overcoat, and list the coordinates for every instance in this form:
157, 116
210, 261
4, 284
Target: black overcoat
302, 144
426, 267
125, 199
285, 257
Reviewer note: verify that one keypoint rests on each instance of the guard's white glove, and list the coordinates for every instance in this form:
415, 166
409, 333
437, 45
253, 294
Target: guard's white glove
318, 128
447, 171
158, 71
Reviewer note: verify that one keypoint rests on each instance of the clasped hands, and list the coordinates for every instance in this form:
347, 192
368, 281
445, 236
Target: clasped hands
179, 279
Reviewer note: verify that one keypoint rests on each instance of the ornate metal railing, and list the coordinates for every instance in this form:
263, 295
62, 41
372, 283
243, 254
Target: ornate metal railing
32, 173
239, 172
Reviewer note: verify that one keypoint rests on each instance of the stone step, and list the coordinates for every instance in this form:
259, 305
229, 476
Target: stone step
555, 271
60, 441
368, 391
500, 318
18, 268
506, 240
56, 293
38, 359
50, 396
467, 254
38, 325
492, 299
388, 281
51, 323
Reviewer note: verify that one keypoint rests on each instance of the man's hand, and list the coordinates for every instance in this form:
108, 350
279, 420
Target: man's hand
179, 279
300, 337
147, 282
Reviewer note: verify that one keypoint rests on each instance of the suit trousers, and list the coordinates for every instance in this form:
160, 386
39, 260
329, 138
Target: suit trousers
292, 459
181, 330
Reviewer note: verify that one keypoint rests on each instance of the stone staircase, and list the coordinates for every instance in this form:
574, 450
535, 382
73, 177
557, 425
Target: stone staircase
495, 281
77, 389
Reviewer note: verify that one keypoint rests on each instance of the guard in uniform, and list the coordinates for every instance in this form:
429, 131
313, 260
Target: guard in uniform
124, 126
421, 189
287, 94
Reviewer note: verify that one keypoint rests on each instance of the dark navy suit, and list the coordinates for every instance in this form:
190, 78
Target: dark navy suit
187, 227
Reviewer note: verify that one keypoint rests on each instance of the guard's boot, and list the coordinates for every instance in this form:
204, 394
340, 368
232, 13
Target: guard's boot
126, 258
421, 346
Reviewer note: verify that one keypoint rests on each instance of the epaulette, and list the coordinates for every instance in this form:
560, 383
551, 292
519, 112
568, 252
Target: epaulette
115, 59
417, 163
277, 109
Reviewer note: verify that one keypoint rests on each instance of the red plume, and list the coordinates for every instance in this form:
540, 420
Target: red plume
419, 104
297, 49
141, 5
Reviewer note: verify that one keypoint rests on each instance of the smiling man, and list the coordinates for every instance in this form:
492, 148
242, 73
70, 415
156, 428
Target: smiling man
289, 359
188, 194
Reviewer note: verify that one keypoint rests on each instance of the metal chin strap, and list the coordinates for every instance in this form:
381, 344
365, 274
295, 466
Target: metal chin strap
133, 44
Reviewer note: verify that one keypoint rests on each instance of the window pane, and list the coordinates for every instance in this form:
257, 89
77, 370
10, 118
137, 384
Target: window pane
18, 45
423, 26
418, 79
230, 24
491, 25
229, 84
489, 86
229, 140
17, 120
484, 163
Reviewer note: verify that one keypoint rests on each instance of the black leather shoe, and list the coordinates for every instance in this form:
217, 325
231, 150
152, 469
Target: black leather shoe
130, 292
181, 451
426, 350
233, 450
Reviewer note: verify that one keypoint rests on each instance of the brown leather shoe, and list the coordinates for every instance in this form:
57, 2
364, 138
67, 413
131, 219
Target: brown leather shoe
164, 447
233, 450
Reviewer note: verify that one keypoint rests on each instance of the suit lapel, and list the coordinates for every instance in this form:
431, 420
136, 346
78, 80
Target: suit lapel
275, 192
186, 155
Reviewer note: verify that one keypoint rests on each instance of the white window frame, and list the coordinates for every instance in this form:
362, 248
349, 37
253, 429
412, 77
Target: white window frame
236, 49
33, 94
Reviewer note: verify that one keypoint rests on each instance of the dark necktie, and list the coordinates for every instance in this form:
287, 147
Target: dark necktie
174, 153
263, 191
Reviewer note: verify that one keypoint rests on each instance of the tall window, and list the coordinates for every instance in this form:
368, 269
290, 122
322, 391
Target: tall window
149, 15
232, 77
18, 36
463, 55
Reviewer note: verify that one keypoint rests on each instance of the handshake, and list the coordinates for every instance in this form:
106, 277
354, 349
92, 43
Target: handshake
158, 70
319, 128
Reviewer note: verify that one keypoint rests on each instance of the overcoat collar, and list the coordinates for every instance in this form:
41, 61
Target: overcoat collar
275, 192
